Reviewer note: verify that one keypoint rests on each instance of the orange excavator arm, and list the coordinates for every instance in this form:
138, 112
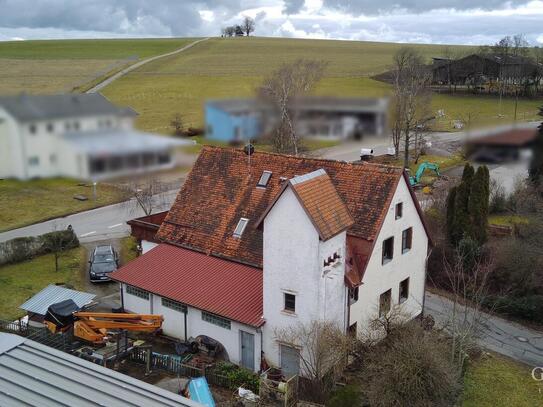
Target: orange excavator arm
93, 326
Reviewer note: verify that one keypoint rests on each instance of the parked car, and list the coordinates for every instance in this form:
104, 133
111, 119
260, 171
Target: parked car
103, 261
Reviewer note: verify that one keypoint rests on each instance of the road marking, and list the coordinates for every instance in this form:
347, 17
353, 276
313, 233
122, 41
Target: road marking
115, 226
88, 234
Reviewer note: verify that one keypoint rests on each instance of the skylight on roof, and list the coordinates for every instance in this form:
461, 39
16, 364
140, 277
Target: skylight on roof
264, 179
240, 227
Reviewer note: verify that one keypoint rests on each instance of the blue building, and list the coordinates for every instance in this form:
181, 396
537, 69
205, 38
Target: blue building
232, 120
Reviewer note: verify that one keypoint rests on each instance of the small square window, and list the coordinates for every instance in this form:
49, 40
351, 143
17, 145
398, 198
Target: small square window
399, 210
290, 302
353, 295
32, 129
50, 127
240, 227
264, 179
33, 161
404, 290
407, 239
384, 303
388, 249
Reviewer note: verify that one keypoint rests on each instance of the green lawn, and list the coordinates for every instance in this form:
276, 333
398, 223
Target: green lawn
20, 281
495, 381
66, 65
234, 67
26, 202
507, 220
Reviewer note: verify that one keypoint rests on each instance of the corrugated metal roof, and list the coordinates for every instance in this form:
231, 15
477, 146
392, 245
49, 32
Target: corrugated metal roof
231, 290
32, 374
52, 294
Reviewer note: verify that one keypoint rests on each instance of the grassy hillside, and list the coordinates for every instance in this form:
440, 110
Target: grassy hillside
62, 65
233, 67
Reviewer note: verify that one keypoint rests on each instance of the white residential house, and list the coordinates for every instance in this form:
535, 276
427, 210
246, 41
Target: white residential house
250, 249
82, 136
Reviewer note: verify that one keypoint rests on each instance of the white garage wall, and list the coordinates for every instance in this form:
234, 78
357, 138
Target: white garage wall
173, 325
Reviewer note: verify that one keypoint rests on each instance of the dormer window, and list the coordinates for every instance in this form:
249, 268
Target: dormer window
240, 227
264, 179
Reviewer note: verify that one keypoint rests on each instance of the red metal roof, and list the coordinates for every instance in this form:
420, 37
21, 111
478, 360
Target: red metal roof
231, 290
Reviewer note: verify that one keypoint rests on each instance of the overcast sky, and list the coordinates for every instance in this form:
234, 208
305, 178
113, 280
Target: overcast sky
423, 21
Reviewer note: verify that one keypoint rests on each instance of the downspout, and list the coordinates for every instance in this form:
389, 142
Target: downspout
122, 295
185, 318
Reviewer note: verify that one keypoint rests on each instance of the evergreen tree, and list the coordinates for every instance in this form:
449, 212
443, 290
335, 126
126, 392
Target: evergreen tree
478, 206
461, 223
536, 165
451, 199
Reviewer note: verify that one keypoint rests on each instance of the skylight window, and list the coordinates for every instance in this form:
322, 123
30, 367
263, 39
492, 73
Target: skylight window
264, 179
240, 227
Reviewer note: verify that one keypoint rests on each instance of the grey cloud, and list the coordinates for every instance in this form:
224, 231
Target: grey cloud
372, 7
292, 6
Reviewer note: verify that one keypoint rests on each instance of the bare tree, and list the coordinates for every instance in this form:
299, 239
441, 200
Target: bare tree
282, 87
229, 31
323, 349
147, 194
177, 125
411, 98
248, 25
58, 241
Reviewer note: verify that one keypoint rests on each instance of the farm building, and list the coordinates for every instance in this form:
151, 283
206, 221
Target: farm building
237, 120
491, 73
247, 250
80, 136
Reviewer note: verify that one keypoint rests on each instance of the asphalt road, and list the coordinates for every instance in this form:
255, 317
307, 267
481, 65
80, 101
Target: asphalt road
112, 78
108, 222
496, 334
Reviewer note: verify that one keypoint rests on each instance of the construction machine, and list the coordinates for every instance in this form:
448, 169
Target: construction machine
94, 327
415, 180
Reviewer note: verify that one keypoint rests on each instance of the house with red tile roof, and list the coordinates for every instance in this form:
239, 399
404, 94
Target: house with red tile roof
254, 244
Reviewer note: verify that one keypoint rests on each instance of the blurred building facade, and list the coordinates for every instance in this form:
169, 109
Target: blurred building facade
82, 136
238, 120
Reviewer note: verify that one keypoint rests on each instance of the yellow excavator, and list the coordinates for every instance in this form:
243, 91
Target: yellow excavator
94, 326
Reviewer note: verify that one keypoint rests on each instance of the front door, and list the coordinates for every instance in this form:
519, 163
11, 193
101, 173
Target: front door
247, 350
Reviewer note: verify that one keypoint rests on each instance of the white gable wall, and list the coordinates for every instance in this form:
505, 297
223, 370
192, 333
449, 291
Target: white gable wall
293, 258
381, 277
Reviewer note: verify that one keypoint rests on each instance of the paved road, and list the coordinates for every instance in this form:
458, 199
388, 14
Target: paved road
496, 334
107, 222
350, 150
123, 72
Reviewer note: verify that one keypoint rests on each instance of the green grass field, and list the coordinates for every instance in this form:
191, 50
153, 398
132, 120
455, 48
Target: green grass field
26, 202
234, 67
20, 281
495, 381
63, 65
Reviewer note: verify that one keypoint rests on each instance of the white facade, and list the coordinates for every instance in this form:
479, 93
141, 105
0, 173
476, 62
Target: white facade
174, 326
380, 277
293, 264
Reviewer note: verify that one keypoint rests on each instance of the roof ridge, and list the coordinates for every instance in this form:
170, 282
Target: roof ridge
316, 159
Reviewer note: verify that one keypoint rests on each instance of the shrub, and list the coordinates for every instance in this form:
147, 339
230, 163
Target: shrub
238, 377
345, 397
529, 308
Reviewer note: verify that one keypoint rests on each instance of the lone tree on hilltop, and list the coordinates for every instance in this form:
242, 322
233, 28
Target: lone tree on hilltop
248, 25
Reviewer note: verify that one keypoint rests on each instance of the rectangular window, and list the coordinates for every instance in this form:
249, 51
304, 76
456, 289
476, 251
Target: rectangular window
215, 320
32, 129
388, 250
399, 210
33, 161
384, 303
290, 302
138, 292
50, 127
240, 227
404, 290
407, 238
264, 179
177, 306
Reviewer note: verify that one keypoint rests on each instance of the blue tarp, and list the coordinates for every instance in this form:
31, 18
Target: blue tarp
199, 391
